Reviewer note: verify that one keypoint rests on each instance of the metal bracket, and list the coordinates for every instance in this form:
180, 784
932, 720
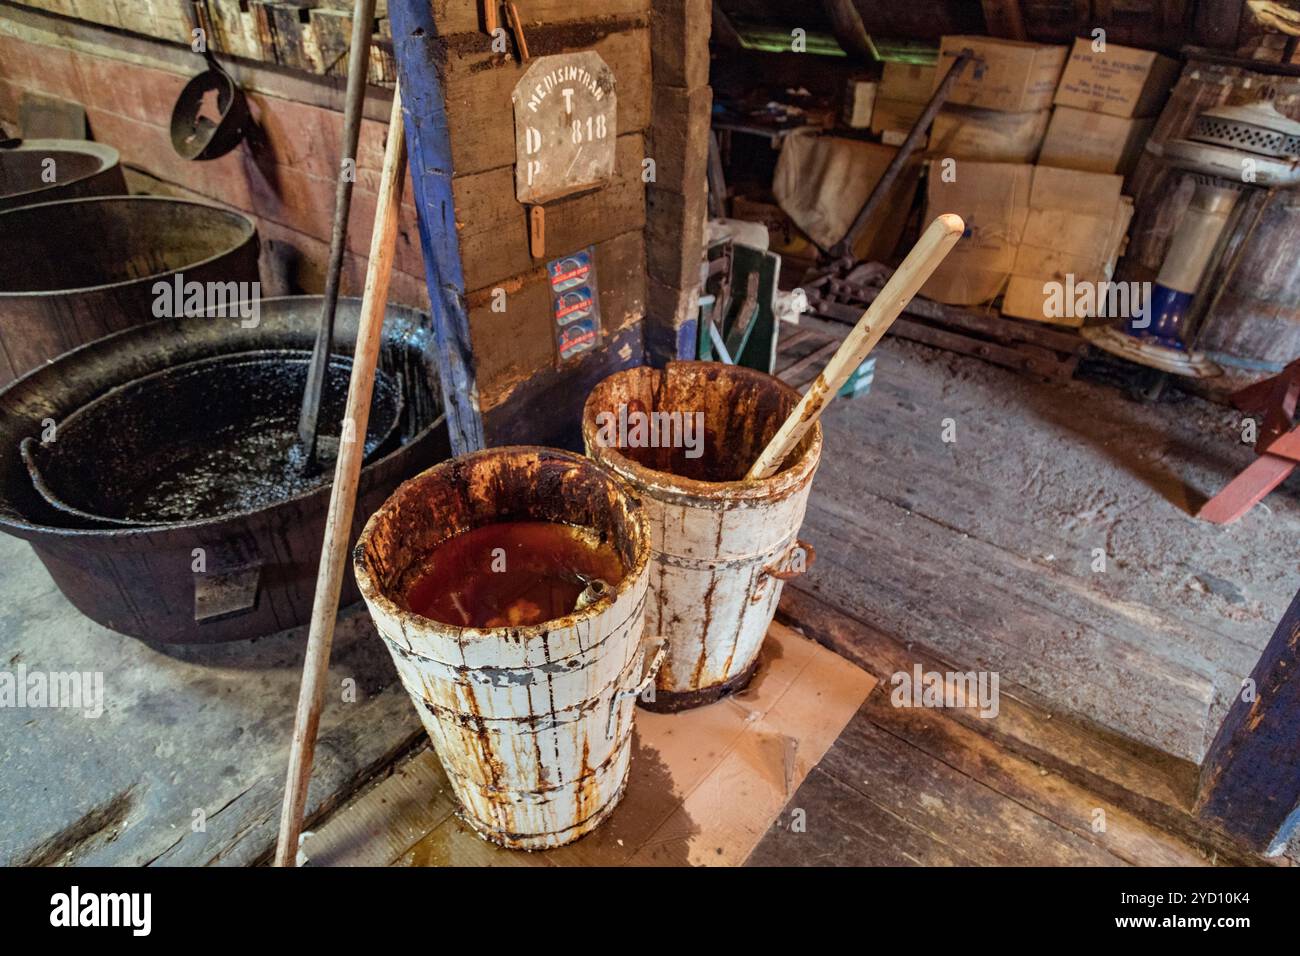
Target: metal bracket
223, 594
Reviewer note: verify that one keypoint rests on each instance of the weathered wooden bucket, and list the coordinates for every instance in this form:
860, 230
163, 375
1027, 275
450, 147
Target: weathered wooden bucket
721, 546
533, 725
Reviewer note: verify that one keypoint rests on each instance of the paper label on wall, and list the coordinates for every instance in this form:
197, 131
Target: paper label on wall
566, 113
575, 303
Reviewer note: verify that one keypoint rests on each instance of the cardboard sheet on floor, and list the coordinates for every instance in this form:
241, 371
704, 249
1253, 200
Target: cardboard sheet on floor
704, 787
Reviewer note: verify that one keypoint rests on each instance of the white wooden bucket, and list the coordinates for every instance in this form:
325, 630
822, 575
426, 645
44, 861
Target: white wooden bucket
720, 548
533, 725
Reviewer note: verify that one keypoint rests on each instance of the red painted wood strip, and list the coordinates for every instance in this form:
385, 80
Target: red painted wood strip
1246, 490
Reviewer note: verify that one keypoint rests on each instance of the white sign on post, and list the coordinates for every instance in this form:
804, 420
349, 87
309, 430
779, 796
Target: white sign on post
566, 115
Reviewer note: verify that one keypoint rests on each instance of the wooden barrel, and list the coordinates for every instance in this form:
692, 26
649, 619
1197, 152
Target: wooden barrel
721, 546
533, 725
1255, 320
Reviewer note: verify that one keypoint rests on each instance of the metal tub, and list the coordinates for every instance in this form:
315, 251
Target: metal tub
79, 168
76, 270
221, 579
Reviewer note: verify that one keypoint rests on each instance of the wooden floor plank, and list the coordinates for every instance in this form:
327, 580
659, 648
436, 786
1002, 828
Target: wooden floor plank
1024, 725
945, 490
704, 784
1039, 475
943, 591
841, 827
978, 820
385, 821
1033, 787
1057, 767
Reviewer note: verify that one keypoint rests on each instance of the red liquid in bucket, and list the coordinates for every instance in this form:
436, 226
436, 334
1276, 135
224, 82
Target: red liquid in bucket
512, 574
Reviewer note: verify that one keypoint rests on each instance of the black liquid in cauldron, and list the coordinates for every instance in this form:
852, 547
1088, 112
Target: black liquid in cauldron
201, 440
259, 570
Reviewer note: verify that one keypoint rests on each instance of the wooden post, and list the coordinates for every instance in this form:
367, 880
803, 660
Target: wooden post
688, 185
343, 496
846, 23
429, 149
1250, 779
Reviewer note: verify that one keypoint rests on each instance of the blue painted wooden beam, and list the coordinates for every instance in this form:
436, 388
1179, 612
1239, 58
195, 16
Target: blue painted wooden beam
415, 48
1250, 779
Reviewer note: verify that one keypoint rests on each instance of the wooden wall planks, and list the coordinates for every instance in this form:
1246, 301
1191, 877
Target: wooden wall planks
493, 226
301, 36
479, 83
512, 343
477, 153
462, 16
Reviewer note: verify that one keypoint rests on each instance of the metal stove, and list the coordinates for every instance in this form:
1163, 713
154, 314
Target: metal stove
1230, 149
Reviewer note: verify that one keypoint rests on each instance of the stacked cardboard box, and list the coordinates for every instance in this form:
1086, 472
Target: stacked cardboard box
993, 200
1073, 233
901, 96
981, 146
998, 109
1010, 76
1106, 104
967, 132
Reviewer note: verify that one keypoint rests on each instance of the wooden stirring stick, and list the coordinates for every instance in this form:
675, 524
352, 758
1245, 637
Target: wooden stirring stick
343, 496
924, 258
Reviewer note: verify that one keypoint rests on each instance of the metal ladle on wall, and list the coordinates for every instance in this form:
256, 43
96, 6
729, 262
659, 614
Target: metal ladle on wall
197, 137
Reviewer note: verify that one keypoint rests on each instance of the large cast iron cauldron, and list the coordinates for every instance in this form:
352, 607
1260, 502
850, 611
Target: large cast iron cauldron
225, 578
75, 270
203, 439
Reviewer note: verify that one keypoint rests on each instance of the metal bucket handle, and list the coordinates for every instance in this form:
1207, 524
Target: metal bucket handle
648, 675
781, 570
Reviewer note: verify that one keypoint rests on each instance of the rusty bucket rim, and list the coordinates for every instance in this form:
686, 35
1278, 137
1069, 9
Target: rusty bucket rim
664, 483
377, 598
27, 529
107, 155
249, 229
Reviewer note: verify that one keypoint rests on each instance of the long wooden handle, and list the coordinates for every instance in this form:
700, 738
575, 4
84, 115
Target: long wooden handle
347, 473
363, 23
924, 258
